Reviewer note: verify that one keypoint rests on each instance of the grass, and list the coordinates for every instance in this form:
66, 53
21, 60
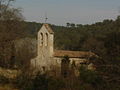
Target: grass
8, 74
7, 87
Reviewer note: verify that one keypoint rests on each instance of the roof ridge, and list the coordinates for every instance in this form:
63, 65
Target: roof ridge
47, 26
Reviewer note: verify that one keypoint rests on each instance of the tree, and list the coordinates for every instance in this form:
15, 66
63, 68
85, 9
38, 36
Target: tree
11, 27
24, 55
79, 25
10, 20
72, 25
65, 66
92, 44
112, 43
5, 8
68, 24
91, 78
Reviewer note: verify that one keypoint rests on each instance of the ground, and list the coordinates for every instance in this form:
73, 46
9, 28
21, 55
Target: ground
10, 74
7, 87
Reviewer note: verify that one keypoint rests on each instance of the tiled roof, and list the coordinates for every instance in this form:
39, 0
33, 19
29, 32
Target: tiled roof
73, 54
47, 26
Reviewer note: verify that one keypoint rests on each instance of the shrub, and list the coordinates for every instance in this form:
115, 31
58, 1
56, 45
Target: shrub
44, 82
3, 80
24, 82
91, 78
40, 82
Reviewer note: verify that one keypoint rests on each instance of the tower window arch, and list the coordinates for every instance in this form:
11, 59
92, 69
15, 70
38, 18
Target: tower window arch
41, 39
46, 39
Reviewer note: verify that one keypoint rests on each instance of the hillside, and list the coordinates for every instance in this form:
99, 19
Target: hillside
102, 38
74, 37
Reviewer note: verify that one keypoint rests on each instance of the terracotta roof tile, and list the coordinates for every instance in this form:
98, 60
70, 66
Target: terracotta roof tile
73, 54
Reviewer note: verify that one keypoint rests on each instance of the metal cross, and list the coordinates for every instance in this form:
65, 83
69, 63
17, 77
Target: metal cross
46, 18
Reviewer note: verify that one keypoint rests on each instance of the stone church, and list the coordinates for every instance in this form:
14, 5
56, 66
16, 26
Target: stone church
47, 56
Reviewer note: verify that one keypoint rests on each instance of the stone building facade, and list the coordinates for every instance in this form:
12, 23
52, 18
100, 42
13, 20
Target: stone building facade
47, 56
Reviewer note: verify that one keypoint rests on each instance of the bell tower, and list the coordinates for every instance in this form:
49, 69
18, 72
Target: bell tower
45, 46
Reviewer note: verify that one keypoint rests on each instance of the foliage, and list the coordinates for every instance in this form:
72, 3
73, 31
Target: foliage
11, 28
38, 82
44, 82
24, 81
65, 66
66, 59
90, 77
3, 80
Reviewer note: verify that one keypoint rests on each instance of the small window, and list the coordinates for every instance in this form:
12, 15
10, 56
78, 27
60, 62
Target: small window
46, 39
41, 39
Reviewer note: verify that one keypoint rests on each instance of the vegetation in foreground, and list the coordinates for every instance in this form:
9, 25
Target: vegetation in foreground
26, 81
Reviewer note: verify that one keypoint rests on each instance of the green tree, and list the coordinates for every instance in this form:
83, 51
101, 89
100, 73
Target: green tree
68, 24
72, 25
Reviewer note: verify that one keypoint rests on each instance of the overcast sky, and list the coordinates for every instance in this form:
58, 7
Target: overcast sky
74, 11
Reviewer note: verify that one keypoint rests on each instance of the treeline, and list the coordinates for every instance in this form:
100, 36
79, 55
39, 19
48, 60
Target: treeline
73, 37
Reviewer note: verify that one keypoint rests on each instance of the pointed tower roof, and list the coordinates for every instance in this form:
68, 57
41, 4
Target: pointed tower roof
47, 26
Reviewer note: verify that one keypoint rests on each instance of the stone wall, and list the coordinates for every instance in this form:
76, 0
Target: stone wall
45, 49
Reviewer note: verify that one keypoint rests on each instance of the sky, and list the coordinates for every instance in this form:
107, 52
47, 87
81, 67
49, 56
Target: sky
60, 12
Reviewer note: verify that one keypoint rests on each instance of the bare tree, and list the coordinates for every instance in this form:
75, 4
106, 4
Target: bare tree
11, 27
4, 5
25, 51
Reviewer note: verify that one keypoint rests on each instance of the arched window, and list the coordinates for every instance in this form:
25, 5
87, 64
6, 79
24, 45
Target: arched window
46, 39
41, 39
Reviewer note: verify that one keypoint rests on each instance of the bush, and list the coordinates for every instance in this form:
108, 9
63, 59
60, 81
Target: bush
56, 83
44, 82
39, 82
24, 82
3, 80
91, 78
